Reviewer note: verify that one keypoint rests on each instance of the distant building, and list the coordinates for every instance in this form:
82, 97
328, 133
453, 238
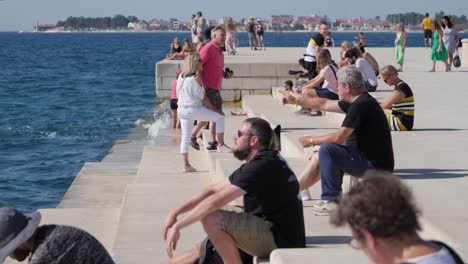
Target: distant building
154, 24
139, 25
174, 24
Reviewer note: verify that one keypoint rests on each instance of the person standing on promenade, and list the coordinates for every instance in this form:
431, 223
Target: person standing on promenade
360, 42
426, 25
383, 217
450, 37
260, 32
400, 45
175, 122
193, 29
363, 142
231, 37
195, 105
315, 44
201, 23
401, 101
438, 52
212, 75
354, 57
250, 28
272, 216
21, 236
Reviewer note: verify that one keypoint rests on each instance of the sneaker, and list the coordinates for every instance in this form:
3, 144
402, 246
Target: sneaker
302, 111
223, 149
305, 195
319, 203
212, 146
448, 69
189, 168
326, 209
194, 143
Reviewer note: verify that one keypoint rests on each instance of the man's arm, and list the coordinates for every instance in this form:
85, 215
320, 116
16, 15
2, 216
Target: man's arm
312, 102
188, 205
211, 203
338, 138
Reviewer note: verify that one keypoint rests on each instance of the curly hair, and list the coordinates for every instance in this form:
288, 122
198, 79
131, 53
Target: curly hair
380, 204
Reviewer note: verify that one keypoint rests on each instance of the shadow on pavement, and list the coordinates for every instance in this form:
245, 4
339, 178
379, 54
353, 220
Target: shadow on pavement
420, 174
335, 240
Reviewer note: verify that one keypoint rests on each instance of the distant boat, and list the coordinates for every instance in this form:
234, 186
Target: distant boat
21, 31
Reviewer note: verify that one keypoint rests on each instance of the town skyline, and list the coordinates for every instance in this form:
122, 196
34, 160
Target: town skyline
22, 14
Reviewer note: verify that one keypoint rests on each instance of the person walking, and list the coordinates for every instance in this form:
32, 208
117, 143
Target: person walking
426, 25
231, 37
438, 53
450, 37
400, 45
260, 32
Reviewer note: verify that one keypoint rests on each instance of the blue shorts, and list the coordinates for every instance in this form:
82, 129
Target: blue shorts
325, 93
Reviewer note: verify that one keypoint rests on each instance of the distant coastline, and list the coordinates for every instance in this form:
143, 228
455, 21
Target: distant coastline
187, 31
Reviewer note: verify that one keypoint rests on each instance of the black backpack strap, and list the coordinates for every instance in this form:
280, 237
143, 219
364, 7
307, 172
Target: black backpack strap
334, 72
452, 252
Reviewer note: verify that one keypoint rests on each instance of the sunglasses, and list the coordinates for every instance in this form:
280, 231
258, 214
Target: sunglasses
240, 134
385, 79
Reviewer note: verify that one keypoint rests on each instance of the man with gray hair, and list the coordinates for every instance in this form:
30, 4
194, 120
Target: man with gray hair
363, 142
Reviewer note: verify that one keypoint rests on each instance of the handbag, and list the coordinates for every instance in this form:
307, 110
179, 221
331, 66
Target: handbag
456, 59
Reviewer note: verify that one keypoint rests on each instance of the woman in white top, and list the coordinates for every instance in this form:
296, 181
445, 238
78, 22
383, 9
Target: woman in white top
194, 105
327, 75
450, 37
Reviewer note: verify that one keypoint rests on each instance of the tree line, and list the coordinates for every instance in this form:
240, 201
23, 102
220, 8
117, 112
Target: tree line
78, 23
414, 19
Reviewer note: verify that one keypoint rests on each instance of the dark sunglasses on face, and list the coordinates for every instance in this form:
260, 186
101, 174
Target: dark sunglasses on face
240, 134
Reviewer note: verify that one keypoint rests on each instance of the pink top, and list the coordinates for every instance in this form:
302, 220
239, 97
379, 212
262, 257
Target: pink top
330, 81
174, 89
212, 65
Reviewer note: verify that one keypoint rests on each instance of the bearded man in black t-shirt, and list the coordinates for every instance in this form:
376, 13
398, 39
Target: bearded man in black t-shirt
272, 216
363, 142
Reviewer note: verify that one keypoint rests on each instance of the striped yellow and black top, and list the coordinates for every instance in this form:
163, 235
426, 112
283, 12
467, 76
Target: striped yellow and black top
403, 109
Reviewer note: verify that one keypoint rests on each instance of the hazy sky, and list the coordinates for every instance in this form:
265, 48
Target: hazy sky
22, 14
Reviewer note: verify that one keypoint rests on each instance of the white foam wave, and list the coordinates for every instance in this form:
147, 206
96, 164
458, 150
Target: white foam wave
162, 120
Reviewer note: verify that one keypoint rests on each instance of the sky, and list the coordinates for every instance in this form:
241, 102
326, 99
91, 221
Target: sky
22, 14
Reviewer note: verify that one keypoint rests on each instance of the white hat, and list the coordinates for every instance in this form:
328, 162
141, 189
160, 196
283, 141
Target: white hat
15, 229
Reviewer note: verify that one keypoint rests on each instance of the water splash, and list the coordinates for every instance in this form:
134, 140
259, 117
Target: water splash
161, 120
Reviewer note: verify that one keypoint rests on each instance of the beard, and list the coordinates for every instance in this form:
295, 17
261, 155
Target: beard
242, 154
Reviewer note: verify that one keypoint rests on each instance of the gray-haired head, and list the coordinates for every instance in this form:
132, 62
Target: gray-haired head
352, 76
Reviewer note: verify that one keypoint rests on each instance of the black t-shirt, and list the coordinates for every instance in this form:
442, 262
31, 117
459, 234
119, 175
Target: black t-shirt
272, 194
371, 131
319, 39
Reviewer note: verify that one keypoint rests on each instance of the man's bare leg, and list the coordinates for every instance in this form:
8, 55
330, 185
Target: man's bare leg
196, 131
188, 257
311, 174
213, 131
222, 241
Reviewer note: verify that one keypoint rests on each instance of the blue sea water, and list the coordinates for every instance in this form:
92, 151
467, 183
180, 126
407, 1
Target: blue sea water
65, 98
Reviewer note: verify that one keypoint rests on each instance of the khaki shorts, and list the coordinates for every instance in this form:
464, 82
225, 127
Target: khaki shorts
215, 98
251, 233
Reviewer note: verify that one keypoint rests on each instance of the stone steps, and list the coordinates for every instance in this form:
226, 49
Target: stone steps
159, 186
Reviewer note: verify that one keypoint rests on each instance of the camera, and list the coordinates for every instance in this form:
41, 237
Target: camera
227, 71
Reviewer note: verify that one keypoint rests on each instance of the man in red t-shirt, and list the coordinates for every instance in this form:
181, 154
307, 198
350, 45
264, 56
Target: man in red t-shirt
212, 58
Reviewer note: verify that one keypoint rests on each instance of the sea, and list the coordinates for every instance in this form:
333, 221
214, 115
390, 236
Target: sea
65, 98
